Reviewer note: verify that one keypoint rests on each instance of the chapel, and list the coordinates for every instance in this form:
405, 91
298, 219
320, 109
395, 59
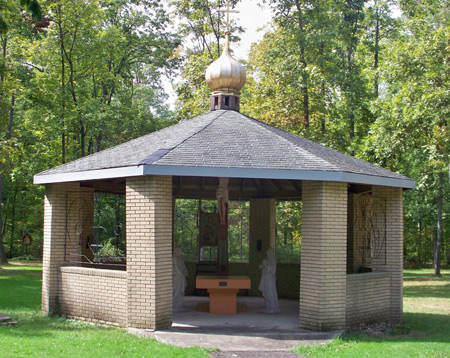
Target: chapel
347, 204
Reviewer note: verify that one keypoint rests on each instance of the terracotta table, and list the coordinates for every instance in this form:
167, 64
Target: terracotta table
222, 291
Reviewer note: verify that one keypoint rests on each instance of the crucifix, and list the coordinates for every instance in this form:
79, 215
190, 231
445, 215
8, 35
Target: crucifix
227, 10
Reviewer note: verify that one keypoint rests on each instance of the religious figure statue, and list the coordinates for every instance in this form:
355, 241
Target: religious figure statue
222, 199
179, 273
268, 283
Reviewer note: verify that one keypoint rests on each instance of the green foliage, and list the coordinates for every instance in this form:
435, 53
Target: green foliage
109, 253
411, 132
85, 78
288, 231
238, 231
109, 219
185, 233
307, 73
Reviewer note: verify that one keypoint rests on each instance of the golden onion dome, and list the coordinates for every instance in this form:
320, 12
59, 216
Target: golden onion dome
225, 73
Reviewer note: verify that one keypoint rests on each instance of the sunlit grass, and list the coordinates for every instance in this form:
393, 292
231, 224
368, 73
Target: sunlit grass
38, 336
426, 321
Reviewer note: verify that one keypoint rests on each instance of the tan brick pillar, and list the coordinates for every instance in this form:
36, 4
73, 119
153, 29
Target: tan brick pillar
323, 260
56, 226
392, 201
262, 227
149, 251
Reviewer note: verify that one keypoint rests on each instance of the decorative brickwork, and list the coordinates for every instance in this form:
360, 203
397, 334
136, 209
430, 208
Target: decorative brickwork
393, 263
94, 295
359, 232
57, 230
323, 262
87, 208
262, 227
368, 298
149, 251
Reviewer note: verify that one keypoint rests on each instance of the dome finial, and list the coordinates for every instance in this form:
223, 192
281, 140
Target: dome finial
225, 76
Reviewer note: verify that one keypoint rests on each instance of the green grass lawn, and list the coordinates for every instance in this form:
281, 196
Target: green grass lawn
426, 323
38, 336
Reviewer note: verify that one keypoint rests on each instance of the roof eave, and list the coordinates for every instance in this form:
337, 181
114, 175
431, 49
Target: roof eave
139, 170
122, 172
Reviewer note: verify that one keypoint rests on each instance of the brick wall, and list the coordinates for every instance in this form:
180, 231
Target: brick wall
54, 249
392, 200
368, 298
93, 295
324, 259
149, 251
262, 227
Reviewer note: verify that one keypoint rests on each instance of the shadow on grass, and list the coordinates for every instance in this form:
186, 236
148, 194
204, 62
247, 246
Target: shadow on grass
420, 275
417, 327
427, 291
34, 325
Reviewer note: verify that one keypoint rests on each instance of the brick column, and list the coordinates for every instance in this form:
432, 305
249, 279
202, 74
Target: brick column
56, 226
392, 201
262, 227
323, 261
149, 251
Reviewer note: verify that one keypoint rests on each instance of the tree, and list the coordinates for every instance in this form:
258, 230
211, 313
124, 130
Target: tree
412, 130
14, 25
84, 78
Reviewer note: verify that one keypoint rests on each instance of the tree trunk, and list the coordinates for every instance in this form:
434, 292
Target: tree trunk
437, 251
11, 118
3, 259
63, 94
13, 220
377, 40
304, 65
420, 244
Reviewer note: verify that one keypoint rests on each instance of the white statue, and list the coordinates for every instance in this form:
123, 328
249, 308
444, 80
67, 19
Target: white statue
222, 199
268, 285
179, 273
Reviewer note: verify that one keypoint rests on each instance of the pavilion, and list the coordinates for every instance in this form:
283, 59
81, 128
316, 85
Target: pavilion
348, 204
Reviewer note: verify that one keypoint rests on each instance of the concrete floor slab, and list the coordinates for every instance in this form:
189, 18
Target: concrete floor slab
248, 331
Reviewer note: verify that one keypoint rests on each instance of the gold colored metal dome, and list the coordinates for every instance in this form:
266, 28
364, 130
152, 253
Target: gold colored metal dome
225, 73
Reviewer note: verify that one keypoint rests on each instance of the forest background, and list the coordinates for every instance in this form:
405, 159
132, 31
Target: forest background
81, 76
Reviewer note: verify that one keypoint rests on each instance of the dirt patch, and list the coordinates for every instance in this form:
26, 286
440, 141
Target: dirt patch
275, 354
385, 330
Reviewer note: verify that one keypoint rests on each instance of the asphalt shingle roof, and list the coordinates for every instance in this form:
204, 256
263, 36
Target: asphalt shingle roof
224, 139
